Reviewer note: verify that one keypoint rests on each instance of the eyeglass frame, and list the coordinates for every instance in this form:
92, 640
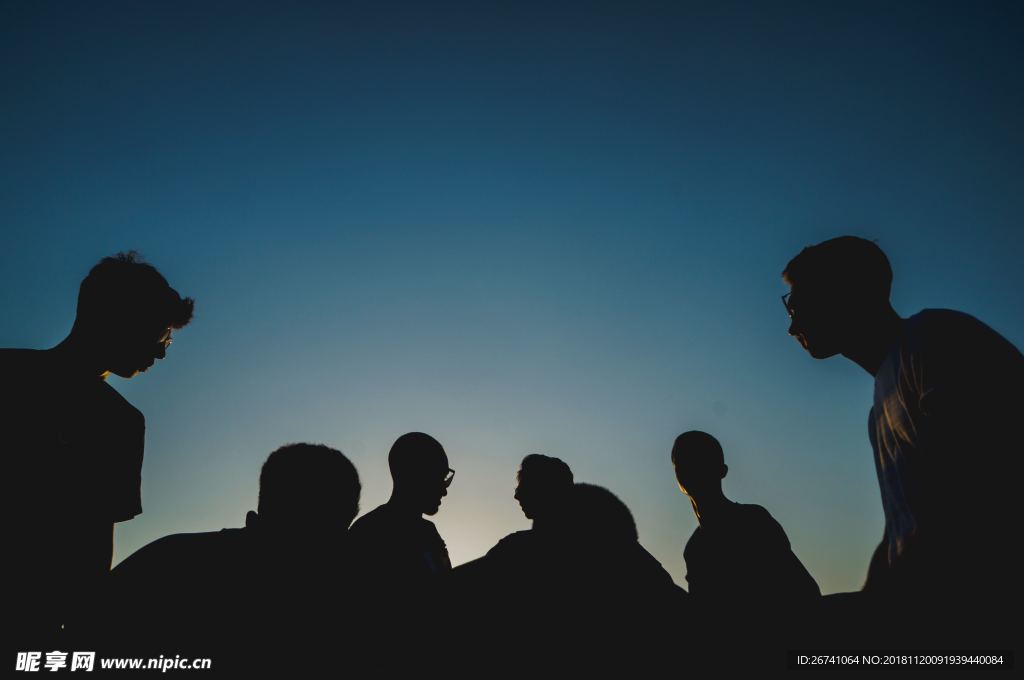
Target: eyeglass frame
785, 303
167, 339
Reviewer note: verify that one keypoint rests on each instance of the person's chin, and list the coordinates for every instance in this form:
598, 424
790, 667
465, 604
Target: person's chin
816, 350
820, 352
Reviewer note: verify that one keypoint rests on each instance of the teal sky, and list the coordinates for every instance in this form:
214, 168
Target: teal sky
518, 227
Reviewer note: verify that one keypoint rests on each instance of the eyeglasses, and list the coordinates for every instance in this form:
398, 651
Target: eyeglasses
166, 338
785, 303
449, 476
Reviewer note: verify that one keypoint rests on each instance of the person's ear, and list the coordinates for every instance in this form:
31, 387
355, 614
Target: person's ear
725, 470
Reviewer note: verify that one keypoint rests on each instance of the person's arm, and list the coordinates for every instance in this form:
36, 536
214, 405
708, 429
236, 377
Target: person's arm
779, 568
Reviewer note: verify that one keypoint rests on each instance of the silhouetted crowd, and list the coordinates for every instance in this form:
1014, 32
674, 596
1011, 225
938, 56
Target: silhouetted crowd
305, 584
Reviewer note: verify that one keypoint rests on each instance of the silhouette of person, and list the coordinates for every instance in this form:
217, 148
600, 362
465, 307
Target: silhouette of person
73, 446
400, 550
943, 428
279, 580
579, 578
738, 560
613, 590
543, 486
518, 561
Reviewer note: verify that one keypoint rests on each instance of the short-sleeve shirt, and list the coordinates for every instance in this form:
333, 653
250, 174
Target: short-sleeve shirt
72, 449
945, 432
397, 548
744, 560
81, 440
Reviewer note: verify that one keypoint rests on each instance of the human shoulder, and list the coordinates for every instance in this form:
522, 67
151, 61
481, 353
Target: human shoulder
12, 357
760, 523
943, 346
371, 521
930, 319
17, 365
27, 374
184, 563
168, 552
752, 512
524, 536
513, 542
947, 329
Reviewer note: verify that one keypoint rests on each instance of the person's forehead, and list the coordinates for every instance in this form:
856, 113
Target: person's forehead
808, 294
695, 457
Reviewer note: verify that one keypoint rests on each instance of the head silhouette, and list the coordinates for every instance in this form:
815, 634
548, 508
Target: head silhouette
419, 469
837, 288
699, 463
307, 490
596, 516
543, 483
126, 313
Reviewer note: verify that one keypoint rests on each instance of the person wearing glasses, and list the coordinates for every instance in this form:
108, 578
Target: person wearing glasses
73, 446
400, 549
944, 430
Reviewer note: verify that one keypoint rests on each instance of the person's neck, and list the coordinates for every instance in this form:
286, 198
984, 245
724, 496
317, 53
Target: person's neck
877, 337
79, 357
402, 505
709, 506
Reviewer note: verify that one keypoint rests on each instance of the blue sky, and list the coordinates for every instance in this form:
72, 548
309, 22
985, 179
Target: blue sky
519, 227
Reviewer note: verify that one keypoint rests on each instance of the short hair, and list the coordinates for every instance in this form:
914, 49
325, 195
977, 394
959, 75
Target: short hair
298, 479
127, 286
547, 471
847, 265
700, 446
596, 514
415, 453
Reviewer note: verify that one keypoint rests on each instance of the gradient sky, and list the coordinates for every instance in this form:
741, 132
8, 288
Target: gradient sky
517, 227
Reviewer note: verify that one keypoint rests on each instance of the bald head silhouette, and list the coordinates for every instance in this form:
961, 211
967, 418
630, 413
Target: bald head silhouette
419, 470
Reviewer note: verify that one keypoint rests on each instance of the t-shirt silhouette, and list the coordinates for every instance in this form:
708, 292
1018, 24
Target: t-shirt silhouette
73, 449
406, 551
519, 545
563, 586
945, 432
742, 561
233, 590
